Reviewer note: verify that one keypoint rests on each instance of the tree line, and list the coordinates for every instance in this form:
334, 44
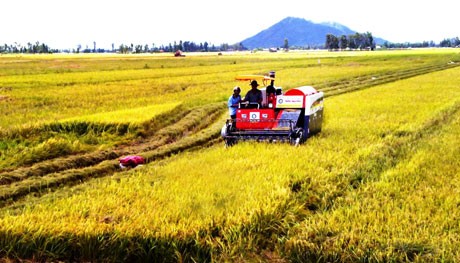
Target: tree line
366, 41
354, 41
447, 42
35, 48
362, 41
185, 46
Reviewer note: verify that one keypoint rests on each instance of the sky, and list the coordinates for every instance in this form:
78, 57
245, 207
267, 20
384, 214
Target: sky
67, 24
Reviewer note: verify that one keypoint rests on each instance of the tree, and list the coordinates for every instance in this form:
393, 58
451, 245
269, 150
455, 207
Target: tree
445, 43
456, 42
328, 43
359, 40
286, 44
343, 42
123, 49
332, 42
223, 47
370, 41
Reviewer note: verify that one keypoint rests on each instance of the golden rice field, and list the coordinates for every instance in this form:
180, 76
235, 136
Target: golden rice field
380, 183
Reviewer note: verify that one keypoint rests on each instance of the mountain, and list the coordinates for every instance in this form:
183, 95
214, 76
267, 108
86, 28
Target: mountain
299, 33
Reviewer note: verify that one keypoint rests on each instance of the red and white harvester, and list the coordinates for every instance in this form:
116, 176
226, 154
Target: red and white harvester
291, 117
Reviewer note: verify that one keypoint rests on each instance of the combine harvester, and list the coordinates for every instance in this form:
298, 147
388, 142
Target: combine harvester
290, 117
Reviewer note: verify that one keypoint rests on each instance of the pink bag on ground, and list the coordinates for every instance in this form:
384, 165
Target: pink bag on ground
131, 161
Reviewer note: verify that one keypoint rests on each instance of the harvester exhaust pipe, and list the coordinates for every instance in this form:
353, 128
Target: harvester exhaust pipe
272, 75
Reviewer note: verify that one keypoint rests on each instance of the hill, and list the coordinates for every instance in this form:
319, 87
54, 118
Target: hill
299, 32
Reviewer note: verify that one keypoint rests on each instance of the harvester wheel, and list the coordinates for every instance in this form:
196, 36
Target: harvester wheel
229, 142
225, 131
297, 137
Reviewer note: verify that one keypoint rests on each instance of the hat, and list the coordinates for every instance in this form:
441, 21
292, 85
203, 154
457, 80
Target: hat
254, 82
236, 88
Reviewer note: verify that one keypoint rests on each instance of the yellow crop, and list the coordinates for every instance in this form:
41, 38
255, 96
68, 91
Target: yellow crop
379, 183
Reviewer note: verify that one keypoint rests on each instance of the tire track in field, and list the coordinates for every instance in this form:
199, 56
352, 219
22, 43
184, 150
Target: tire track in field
370, 80
396, 146
392, 150
53, 165
198, 128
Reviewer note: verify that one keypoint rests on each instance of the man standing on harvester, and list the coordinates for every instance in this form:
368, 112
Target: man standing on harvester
233, 102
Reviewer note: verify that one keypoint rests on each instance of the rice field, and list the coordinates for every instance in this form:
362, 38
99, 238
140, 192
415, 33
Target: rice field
378, 184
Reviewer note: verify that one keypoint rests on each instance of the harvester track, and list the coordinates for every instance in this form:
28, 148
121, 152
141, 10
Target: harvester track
198, 128
367, 81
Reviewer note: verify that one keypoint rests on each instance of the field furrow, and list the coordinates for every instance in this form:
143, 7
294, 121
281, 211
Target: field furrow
353, 84
371, 212
177, 137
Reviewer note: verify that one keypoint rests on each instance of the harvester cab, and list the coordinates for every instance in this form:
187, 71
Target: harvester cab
291, 117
